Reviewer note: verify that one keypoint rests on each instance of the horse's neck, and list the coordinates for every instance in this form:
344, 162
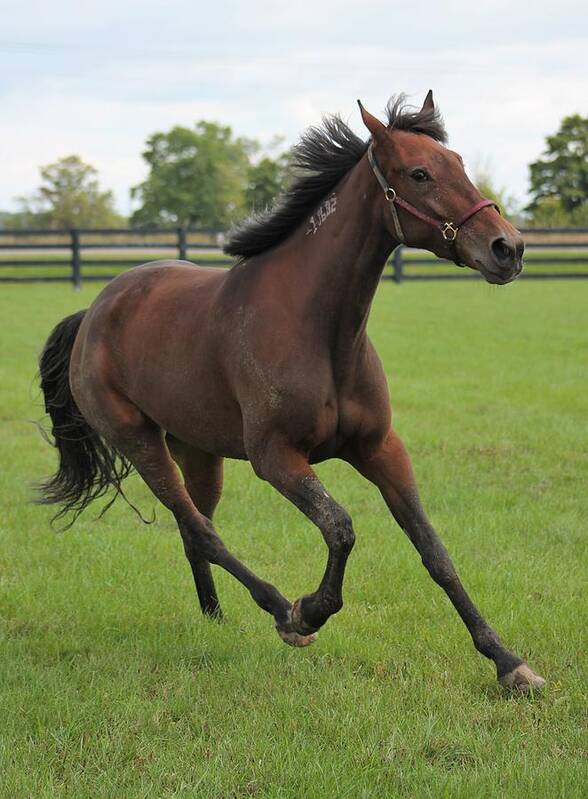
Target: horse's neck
338, 258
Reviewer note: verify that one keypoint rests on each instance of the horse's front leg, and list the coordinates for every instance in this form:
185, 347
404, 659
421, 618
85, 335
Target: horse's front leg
288, 471
387, 464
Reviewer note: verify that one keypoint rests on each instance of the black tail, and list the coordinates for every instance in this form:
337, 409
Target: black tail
88, 466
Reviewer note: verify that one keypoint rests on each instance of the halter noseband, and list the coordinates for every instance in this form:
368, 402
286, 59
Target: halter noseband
448, 230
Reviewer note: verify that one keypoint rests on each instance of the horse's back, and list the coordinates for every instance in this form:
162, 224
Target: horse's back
173, 275
152, 291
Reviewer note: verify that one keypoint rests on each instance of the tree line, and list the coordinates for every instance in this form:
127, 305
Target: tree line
206, 176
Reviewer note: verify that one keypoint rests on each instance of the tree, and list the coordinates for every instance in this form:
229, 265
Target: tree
70, 197
267, 179
549, 212
264, 184
562, 173
508, 204
196, 177
14, 220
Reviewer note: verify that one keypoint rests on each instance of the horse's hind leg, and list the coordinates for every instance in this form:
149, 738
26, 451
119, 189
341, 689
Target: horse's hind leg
203, 477
142, 442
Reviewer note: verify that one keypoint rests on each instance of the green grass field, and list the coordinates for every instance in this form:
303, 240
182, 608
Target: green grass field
113, 686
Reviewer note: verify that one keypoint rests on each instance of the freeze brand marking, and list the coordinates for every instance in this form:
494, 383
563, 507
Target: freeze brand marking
324, 211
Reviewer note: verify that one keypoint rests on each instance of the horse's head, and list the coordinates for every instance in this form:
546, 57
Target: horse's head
428, 201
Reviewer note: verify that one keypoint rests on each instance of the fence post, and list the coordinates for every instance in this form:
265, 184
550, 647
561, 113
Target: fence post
182, 244
397, 264
76, 266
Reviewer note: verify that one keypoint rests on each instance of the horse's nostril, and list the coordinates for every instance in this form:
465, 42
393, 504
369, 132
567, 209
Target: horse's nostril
502, 250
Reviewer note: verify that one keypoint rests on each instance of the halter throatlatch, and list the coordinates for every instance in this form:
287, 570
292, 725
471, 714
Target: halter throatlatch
448, 230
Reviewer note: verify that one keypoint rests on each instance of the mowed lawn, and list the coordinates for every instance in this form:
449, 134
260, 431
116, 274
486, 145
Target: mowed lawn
113, 685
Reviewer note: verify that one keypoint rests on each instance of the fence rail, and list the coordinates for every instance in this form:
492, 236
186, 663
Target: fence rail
561, 247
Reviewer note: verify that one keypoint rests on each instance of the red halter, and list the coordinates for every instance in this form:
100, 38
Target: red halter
448, 230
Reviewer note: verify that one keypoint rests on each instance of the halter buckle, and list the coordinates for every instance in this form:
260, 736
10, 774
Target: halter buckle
449, 231
390, 194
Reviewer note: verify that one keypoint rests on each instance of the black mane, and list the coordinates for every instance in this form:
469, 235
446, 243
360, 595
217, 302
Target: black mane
403, 117
323, 156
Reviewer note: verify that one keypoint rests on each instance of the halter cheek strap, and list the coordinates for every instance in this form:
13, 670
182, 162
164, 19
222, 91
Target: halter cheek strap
447, 229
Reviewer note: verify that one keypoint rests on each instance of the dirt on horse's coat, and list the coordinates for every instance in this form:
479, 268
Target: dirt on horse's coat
270, 361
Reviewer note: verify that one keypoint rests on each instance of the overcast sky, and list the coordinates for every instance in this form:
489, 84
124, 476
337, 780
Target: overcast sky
97, 78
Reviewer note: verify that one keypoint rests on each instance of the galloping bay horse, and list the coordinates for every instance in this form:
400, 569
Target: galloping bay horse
270, 361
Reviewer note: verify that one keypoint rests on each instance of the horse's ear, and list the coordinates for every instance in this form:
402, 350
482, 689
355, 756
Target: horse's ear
375, 127
428, 105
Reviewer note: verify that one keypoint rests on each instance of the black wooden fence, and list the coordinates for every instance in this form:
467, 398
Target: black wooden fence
68, 255
73, 250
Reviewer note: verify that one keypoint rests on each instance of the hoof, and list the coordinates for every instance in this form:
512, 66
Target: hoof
522, 679
292, 638
296, 632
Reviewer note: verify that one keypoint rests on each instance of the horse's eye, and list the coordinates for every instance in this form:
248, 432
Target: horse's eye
419, 175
